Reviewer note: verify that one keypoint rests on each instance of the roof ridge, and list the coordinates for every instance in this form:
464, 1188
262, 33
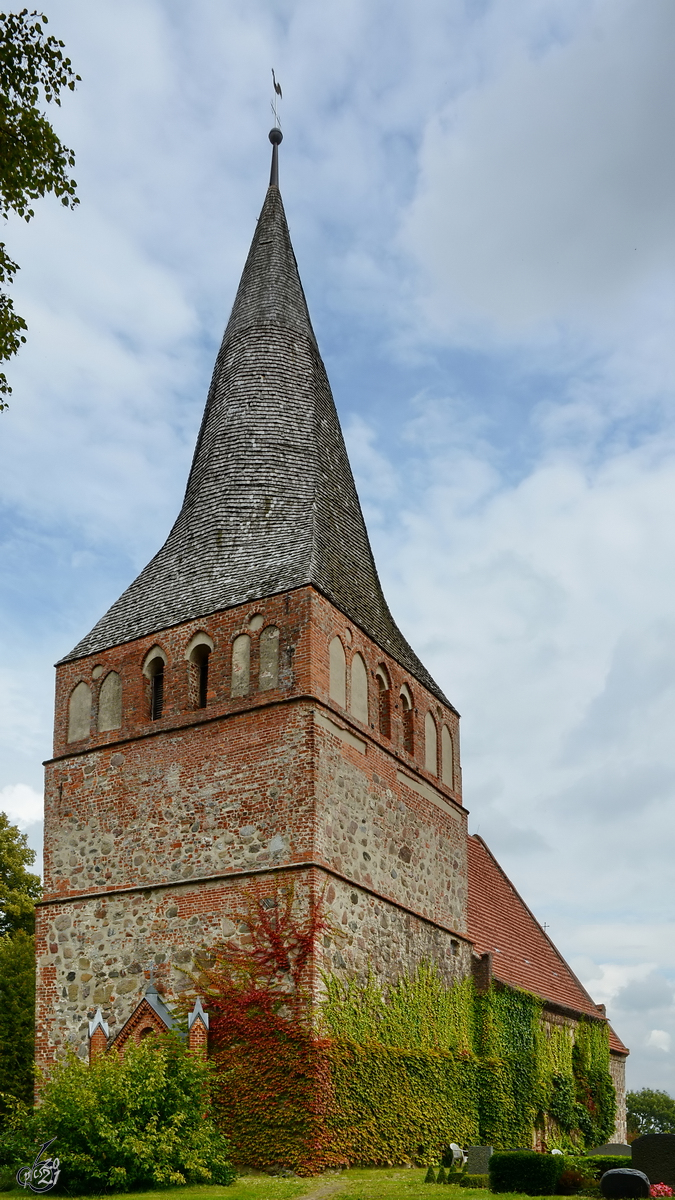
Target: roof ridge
539, 926
474, 915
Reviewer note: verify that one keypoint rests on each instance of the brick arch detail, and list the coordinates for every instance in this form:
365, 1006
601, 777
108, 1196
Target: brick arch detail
135, 1028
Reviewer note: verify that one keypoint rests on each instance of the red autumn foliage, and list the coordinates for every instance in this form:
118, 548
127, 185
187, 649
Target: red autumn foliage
275, 1092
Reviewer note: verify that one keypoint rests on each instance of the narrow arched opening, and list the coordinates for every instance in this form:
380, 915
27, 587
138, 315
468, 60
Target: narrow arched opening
156, 673
153, 669
200, 667
447, 758
198, 654
383, 702
408, 720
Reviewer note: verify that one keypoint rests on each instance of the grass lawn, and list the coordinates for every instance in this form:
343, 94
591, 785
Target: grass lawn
399, 1184
356, 1184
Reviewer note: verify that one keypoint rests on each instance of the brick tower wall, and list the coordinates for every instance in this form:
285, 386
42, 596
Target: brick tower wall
153, 829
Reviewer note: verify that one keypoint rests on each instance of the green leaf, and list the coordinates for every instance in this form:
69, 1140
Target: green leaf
33, 160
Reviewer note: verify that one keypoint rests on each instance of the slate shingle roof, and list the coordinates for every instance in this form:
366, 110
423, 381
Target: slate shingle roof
270, 503
501, 924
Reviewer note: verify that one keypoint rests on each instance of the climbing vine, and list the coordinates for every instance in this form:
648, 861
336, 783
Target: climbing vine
506, 1046
317, 1072
275, 1088
543, 1073
595, 1098
418, 1012
403, 1068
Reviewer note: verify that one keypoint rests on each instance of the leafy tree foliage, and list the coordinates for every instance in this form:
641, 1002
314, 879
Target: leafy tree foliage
650, 1111
19, 888
33, 161
17, 1019
135, 1121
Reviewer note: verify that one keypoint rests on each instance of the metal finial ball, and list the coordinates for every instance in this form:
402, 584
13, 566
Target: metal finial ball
276, 136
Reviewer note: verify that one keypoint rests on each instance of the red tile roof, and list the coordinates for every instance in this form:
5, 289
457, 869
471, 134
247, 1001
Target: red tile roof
501, 924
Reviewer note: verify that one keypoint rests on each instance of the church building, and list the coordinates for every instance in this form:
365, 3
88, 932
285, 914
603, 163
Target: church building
249, 710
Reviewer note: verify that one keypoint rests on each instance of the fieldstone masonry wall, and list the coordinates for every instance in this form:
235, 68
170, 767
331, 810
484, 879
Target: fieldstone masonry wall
100, 951
380, 832
375, 934
617, 1069
150, 828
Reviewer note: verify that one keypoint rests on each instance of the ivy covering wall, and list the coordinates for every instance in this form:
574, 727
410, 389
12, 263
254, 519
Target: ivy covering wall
405, 1077
379, 1077
426, 1065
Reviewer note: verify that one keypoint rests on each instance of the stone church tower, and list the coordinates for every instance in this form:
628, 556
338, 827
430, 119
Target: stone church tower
248, 709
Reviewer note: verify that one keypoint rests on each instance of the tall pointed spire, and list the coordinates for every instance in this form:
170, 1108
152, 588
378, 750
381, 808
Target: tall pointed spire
270, 503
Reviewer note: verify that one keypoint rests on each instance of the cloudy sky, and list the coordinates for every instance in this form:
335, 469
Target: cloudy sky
481, 199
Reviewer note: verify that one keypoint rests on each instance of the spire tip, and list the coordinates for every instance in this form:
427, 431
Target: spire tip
276, 137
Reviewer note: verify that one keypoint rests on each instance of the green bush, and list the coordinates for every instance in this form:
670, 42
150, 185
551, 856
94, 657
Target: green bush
123, 1123
474, 1181
7, 1179
526, 1171
597, 1164
430, 1176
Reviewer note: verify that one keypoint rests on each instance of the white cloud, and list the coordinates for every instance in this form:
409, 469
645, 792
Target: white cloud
548, 191
607, 979
660, 1039
22, 804
380, 480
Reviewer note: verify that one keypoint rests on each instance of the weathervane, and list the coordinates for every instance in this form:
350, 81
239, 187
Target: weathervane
276, 136
277, 92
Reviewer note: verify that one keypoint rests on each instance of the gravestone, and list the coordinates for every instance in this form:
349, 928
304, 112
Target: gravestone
624, 1183
654, 1153
611, 1148
477, 1160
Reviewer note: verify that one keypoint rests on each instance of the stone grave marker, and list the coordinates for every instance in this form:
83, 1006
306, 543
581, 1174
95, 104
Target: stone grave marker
477, 1160
611, 1148
654, 1153
624, 1183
